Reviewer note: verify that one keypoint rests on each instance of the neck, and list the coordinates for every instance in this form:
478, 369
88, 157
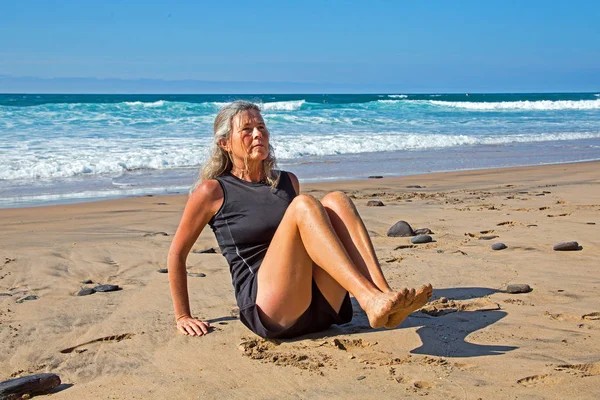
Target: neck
255, 174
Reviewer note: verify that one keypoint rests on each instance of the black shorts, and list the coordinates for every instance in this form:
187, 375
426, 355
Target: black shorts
318, 316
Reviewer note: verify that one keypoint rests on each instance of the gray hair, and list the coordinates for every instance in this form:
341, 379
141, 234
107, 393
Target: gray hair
220, 161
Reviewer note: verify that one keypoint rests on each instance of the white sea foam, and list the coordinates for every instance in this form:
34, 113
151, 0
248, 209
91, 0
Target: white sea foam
283, 105
397, 96
70, 157
158, 103
516, 105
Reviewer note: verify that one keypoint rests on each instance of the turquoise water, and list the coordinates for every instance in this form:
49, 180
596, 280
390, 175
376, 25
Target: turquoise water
65, 148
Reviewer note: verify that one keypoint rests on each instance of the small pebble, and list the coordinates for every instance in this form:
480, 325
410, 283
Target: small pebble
566, 246
106, 288
415, 187
375, 203
87, 281
421, 239
375, 177
30, 297
360, 378
498, 246
196, 274
518, 288
591, 223
86, 292
488, 237
156, 233
162, 271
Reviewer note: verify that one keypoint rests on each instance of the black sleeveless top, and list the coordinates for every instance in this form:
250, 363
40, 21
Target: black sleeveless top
247, 221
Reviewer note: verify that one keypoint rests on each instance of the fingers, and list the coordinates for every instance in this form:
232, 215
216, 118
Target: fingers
193, 327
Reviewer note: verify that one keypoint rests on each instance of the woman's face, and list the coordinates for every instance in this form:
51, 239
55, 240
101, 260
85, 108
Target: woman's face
249, 137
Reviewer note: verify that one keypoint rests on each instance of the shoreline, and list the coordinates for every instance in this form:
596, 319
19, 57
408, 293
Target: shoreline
310, 182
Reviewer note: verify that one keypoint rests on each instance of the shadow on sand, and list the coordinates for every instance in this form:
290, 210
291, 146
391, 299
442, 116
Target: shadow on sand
443, 336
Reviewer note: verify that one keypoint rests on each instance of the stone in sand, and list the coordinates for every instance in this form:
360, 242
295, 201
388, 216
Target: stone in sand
566, 246
162, 271
196, 274
400, 229
591, 223
518, 288
210, 250
106, 288
375, 203
26, 386
488, 237
86, 292
498, 246
87, 281
30, 297
414, 187
156, 233
421, 239
375, 177
423, 231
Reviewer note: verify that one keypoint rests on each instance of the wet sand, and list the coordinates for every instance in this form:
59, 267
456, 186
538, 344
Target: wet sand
474, 340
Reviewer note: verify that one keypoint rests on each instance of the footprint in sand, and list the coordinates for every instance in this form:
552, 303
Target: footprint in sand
112, 338
509, 223
445, 306
268, 351
547, 379
581, 369
594, 316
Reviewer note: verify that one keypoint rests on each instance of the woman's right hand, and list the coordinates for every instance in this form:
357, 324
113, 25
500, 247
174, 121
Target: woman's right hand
192, 327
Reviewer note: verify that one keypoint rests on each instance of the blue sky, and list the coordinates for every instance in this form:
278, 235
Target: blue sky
307, 46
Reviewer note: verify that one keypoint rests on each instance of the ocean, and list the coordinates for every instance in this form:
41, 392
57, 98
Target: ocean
70, 148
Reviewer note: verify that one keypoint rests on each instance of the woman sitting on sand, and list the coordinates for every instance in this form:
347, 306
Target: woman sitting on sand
293, 259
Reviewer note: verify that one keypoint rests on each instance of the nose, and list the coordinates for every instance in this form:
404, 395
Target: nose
257, 133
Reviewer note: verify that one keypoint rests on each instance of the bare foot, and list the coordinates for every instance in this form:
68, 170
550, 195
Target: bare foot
381, 306
420, 298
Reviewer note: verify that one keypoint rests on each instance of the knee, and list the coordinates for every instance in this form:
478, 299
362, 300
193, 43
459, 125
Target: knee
334, 200
305, 203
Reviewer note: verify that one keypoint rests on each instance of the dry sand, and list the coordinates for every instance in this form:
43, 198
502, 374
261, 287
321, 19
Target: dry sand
542, 344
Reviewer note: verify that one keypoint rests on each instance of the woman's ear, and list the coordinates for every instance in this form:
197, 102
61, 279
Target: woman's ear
224, 144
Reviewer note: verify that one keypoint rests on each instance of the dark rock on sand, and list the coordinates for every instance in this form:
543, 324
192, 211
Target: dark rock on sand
423, 231
30, 297
400, 229
518, 288
156, 234
210, 250
86, 292
87, 281
375, 203
590, 223
498, 246
107, 288
488, 237
415, 187
375, 177
567, 246
162, 271
421, 239
196, 274
26, 386
5, 295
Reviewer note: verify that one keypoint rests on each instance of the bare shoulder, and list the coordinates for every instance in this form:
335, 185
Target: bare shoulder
207, 196
295, 181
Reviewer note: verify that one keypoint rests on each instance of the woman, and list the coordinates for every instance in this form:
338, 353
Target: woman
293, 260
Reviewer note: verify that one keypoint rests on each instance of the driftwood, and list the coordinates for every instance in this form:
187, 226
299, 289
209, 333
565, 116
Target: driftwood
30, 385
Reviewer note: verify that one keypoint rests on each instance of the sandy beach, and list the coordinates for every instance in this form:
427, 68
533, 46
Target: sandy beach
473, 341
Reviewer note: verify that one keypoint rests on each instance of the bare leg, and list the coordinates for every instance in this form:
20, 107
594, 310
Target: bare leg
354, 236
304, 236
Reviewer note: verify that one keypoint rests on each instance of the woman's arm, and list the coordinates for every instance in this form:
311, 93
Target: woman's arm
203, 203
